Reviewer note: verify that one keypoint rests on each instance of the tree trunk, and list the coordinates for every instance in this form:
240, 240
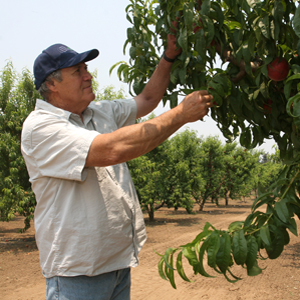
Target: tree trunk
151, 215
202, 204
226, 198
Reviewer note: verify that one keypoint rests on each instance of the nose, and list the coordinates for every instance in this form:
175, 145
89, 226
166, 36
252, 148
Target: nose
87, 75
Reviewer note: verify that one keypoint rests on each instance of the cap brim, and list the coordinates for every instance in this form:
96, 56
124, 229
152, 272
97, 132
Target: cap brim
81, 57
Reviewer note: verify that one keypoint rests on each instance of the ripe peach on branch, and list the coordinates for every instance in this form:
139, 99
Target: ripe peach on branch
278, 69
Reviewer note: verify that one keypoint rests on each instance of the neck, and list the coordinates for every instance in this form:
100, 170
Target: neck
66, 106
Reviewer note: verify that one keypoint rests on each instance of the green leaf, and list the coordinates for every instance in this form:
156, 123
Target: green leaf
123, 68
188, 14
235, 277
234, 226
183, 39
251, 43
292, 226
262, 196
296, 21
245, 138
170, 272
115, 65
203, 248
209, 29
223, 257
173, 99
200, 45
219, 13
132, 52
182, 75
213, 248
169, 252
250, 218
287, 89
217, 98
205, 7
130, 34
239, 247
247, 58
264, 26
216, 87
191, 256
290, 104
295, 209
252, 247
161, 270
282, 210
277, 244
265, 235
293, 77
255, 270
263, 200
180, 269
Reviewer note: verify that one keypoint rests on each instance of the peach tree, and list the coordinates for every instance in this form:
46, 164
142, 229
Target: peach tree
17, 100
246, 54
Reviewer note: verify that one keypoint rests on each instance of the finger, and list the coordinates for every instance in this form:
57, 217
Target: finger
207, 98
203, 92
210, 104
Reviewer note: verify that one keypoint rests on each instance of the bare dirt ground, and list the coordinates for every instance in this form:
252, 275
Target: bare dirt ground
21, 277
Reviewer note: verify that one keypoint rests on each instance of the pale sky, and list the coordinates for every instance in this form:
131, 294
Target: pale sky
30, 26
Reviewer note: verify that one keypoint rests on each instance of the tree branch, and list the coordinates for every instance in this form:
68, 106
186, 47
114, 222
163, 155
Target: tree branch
226, 56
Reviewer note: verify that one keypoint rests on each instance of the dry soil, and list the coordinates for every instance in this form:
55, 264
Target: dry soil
21, 277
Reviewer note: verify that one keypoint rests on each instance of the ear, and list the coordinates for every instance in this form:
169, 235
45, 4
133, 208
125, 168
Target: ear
51, 84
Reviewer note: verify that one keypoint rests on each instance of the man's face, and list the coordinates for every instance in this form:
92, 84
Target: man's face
75, 89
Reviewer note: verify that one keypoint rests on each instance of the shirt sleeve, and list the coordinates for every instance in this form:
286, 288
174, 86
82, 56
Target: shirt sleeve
125, 112
56, 148
122, 111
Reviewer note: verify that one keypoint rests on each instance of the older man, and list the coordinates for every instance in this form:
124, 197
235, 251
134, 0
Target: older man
89, 226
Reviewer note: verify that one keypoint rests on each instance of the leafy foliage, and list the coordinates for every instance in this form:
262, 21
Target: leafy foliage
109, 93
186, 169
212, 170
168, 175
247, 36
243, 242
17, 99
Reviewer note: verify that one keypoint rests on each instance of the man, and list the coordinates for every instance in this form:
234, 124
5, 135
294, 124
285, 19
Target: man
89, 226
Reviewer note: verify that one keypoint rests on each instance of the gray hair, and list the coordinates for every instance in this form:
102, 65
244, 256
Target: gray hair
44, 90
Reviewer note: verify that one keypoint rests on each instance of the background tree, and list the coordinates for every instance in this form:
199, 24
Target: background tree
17, 99
257, 97
187, 169
229, 171
184, 177
169, 174
110, 93
244, 165
267, 171
147, 177
212, 170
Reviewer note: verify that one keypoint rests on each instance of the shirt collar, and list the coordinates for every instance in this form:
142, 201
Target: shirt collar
41, 104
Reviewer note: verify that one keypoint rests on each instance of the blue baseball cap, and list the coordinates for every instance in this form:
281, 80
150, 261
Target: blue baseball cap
56, 57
